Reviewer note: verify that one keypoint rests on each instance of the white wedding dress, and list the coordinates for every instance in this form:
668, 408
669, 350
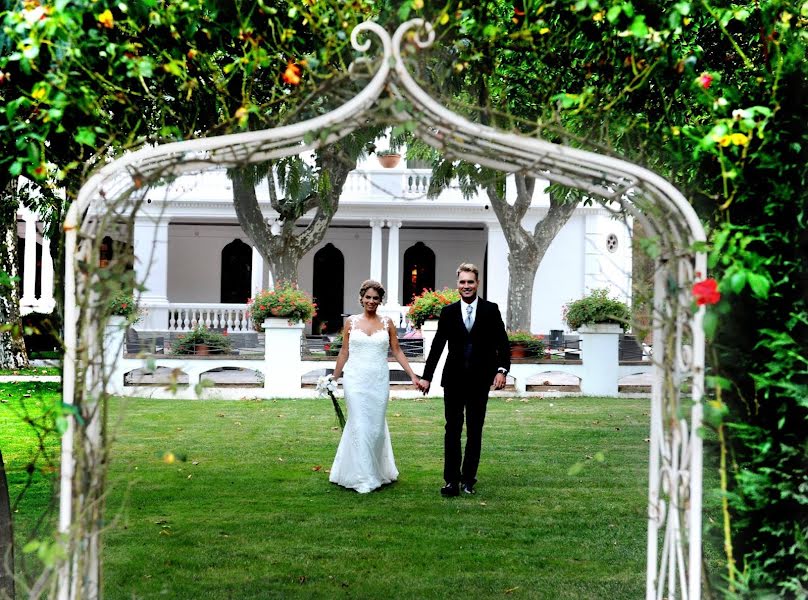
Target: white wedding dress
364, 459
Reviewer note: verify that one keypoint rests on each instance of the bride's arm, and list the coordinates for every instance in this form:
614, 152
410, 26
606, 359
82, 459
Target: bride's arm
398, 354
342, 357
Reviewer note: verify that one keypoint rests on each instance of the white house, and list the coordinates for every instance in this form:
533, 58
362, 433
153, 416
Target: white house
193, 255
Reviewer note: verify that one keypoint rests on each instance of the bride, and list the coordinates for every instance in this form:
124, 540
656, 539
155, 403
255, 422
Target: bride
364, 459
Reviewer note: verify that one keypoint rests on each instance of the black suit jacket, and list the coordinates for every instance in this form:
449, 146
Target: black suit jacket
489, 345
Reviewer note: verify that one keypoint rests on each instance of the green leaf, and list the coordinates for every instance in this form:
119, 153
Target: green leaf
614, 13
638, 27
710, 323
759, 284
737, 281
85, 136
404, 11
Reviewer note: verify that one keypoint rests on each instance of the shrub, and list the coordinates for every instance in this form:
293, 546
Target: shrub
217, 343
597, 307
285, 301
429, 304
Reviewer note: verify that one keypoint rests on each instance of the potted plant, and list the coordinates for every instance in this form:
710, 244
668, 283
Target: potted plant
597, 308
123, 305
286, 301
429, 304
388, 158
201, 341
525, 344
333, 346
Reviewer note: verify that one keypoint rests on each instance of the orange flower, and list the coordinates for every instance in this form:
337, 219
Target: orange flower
105, 19
292, 74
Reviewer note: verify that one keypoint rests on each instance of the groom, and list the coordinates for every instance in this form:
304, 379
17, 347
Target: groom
479, 356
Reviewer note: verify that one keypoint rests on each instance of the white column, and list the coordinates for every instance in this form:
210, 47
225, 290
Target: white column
151, 269
393, 260
599, 350
496, 276
593, 242
46, 300
29, 260
376, 249
257, 272
283, 365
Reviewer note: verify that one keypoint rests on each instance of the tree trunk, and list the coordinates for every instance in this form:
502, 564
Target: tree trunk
283, 244
6, 537
12, 344
527, 249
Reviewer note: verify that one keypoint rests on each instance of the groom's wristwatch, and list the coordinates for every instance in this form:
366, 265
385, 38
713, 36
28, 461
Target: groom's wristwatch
503, 370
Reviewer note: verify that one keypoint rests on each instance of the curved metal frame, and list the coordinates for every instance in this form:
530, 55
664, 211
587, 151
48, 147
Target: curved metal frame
675, 465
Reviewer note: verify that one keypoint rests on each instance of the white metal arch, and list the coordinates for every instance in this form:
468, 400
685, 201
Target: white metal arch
675, 463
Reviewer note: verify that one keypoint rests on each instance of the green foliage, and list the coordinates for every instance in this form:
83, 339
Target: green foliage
123, 305
533, 343
429, 305
286, 301
214, 342
597, 307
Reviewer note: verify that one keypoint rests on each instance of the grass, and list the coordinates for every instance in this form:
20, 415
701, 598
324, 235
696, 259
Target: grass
249, 512
33, 371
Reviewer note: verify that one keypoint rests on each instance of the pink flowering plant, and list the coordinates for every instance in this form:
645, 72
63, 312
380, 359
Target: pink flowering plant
286, 301
429, 304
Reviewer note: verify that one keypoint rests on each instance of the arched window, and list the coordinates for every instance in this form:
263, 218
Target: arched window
105, 252
328, 289
236, 272
419, 271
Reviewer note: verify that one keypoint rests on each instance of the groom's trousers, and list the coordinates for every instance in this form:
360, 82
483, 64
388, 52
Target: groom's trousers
469, 397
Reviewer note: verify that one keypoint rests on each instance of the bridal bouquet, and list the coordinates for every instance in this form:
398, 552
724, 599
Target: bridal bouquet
326, 386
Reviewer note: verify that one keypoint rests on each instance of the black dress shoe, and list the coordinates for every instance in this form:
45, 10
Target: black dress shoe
468, 488
450, 490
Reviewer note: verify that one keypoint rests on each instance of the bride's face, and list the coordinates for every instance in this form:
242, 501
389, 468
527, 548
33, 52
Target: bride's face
371, 300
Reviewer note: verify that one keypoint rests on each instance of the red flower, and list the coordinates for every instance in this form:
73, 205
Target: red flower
705, 80
706, 292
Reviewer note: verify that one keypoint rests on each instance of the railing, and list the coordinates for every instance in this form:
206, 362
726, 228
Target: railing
323, 346
230, 317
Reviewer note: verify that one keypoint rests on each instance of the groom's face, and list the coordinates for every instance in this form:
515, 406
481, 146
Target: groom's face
467, 285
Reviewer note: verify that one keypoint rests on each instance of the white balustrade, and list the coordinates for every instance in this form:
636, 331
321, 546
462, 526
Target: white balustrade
186, 316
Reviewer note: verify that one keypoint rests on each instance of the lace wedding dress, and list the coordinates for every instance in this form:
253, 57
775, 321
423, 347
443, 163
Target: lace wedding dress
364, 459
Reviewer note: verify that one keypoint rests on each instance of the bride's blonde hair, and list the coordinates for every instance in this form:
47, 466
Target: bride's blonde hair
371, 284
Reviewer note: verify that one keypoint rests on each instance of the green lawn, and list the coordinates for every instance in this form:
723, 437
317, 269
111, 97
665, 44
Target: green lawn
250, 513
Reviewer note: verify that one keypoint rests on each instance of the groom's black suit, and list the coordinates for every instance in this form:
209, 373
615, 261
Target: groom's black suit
471, 366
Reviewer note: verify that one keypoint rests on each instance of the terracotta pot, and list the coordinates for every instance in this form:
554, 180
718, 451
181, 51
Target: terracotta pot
201, 349
388, 161
518, 351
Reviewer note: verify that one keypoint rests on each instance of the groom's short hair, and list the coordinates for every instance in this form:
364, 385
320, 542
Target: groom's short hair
469, 268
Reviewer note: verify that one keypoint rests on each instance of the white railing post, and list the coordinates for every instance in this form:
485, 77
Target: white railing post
282, 365
599, 351
429, 329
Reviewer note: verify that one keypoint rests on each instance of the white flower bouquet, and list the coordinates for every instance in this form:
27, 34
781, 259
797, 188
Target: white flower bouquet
327, 386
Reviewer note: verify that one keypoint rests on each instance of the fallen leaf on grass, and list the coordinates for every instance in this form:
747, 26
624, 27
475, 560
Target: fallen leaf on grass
196, 462
483, 504
511, 590
317, 467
